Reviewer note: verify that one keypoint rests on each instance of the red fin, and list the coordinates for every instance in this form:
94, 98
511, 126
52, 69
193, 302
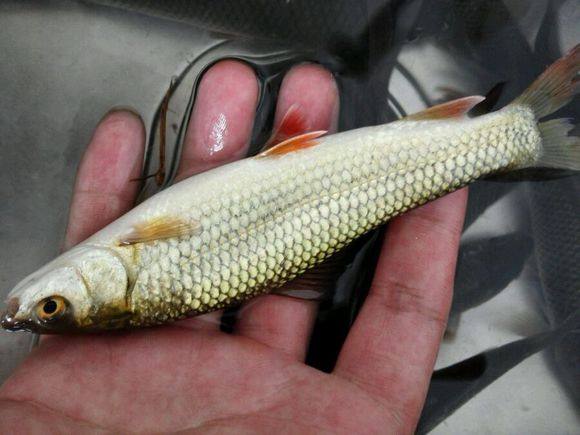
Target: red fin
555, 87
452, 109
296, 143
291, 125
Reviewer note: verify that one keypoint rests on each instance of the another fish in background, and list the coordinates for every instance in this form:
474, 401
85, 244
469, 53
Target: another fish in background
555, 211
451, 387
338, 27
501, 259
297, 20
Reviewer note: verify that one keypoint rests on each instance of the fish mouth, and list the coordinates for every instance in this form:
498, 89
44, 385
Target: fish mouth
8, 319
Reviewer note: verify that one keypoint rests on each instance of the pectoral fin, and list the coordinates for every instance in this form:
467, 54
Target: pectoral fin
163, 227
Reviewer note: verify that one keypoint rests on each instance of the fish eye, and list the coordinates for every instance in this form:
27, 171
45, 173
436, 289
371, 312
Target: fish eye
51, 308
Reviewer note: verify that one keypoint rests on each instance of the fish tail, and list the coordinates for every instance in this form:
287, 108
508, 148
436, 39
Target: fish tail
558, 149
555, 88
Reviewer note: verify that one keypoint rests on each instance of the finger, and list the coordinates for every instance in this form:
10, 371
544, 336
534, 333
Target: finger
219, 132
281, 322
393, 343
103, 189
221, 124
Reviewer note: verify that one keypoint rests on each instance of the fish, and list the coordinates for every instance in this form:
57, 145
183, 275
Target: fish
275, 221
340, 27
555, 222
453, 386
298, 20
499, 259
485, 267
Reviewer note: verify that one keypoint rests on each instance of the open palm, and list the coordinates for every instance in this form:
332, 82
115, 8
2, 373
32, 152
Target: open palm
189, 376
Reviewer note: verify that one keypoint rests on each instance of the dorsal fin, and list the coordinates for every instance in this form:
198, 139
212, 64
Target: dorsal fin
452, 109
162, 227
293, 123
296, 143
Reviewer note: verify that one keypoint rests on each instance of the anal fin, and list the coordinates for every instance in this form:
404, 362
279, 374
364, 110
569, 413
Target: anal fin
317, 283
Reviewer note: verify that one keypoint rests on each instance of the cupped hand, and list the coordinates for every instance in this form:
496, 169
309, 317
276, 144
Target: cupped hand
190, 377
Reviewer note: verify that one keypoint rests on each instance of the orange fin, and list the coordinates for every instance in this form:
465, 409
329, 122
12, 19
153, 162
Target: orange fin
555, 87
158, 228
291, 125
452, 109
296, 143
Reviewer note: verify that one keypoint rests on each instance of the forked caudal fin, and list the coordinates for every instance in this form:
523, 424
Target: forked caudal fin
559, 149
555, 88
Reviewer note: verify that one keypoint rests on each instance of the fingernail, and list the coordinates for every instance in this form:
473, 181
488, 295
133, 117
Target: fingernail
120, 109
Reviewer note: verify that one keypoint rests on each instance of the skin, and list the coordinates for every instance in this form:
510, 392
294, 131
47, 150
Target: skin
189, 377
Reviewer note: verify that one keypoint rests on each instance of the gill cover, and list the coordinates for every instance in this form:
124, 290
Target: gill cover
106, 280
83, 289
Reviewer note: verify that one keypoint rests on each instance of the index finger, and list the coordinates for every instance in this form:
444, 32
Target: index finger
391, 349
104, 189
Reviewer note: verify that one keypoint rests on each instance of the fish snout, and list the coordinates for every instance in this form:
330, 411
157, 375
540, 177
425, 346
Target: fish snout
8, 319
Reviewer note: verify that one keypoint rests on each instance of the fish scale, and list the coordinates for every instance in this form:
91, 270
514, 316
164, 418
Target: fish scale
290, 213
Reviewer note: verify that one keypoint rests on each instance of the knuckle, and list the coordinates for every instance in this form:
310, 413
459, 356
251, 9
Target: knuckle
399, 297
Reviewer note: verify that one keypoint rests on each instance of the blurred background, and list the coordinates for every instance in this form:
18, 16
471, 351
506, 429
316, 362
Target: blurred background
506, 364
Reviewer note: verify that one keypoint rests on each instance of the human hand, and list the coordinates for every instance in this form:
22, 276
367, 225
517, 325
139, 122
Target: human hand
189, 376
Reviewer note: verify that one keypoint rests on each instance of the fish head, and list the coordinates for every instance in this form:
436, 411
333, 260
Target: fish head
84, 289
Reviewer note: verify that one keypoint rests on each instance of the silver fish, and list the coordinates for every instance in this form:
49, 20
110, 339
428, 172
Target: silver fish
255, 225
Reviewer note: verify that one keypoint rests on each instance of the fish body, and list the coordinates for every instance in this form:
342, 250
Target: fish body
253, 226
264, 221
